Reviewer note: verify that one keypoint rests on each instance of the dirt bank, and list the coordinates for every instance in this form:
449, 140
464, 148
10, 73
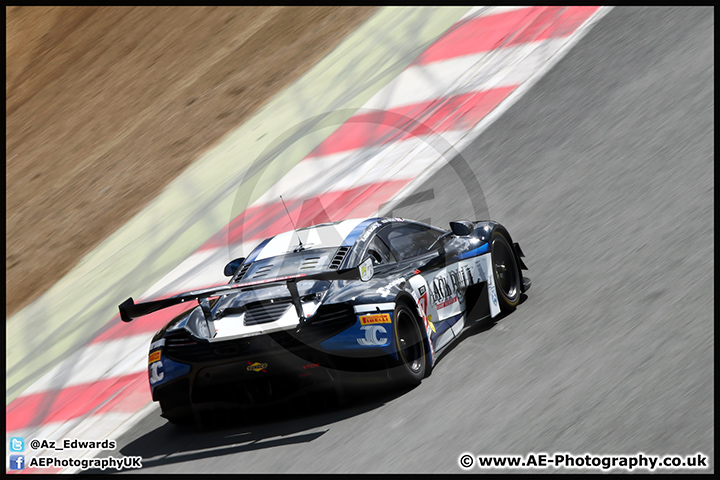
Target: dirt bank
105, 106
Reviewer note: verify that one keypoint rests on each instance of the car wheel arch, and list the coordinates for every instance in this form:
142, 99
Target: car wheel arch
500, 229
406, 299
497, 228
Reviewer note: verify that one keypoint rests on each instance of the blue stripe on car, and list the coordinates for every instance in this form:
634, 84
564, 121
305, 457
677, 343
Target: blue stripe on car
258, 249
348, 339
168, 370
475, 252
352, 236
444, 326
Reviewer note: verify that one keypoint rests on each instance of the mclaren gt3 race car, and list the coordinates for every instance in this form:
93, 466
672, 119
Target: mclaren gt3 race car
322, 305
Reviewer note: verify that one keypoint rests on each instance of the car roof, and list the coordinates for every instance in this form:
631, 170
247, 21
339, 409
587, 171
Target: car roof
324, 235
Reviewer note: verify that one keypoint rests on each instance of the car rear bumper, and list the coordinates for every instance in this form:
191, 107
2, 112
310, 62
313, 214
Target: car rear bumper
263, 370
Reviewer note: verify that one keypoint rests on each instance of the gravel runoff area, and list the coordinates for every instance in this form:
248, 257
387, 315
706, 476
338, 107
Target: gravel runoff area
107, 105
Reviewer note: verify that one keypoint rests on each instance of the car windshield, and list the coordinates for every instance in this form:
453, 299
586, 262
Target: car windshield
306, 261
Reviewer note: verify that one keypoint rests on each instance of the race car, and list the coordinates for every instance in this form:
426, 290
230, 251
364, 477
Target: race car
327, 304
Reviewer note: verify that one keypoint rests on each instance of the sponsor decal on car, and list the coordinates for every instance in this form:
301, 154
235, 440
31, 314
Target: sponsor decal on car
373, 335
493, 294
156, 372
369, 231
162, 370
154, 357
445, 289
447, 303
422, 302
386, 290
375, 318
257, 367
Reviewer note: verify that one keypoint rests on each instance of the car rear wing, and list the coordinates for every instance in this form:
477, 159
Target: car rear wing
130, 310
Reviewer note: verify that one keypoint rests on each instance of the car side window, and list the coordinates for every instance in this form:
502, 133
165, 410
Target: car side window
379, 252
407, 240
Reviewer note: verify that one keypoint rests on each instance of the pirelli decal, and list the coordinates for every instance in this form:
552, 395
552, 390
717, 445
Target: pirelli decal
375, 318
154, 357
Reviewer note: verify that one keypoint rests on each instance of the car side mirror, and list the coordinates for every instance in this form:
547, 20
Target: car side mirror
232, 267
462, 228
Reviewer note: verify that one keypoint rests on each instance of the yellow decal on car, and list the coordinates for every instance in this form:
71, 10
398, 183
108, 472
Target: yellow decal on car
256, 367
154, 357
375, 318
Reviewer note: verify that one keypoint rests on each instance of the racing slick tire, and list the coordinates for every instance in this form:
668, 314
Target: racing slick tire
505, 272
410, 347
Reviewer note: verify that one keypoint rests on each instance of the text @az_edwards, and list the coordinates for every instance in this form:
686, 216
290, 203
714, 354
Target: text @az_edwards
73, 444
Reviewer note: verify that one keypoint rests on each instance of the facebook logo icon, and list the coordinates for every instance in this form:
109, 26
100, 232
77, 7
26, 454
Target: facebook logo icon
17, 462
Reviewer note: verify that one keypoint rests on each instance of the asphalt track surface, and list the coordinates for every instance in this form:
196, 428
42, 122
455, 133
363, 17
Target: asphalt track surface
603, 172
